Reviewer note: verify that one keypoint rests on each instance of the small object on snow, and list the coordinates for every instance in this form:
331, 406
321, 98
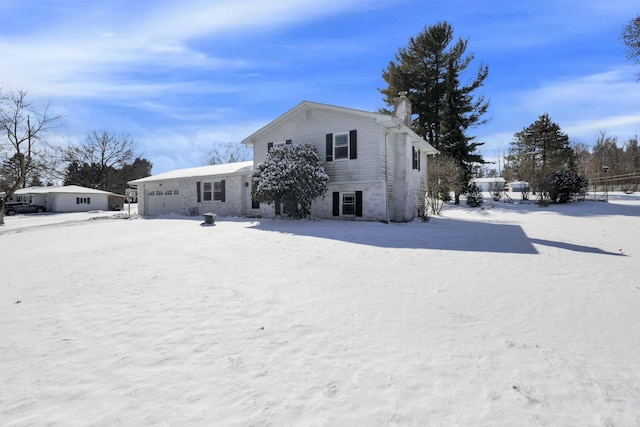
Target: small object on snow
621, 253
209, 218
262, 328
18, 302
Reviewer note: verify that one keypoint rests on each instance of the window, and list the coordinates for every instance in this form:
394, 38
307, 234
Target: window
270, 145
348, 204
416, 158
206, 193
217, 191
175, 192
255, 204
212, 191
83, 200
342, 145
168, 192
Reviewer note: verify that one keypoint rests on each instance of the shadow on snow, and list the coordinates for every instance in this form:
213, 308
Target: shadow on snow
438, 234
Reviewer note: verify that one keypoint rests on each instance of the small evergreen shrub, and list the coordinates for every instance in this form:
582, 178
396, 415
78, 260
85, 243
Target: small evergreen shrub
474, 196
565, 186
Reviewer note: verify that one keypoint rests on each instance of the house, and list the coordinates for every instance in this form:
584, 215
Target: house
488, 184
69, 198
376, 164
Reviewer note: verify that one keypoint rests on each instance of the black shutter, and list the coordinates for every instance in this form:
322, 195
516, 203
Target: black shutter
329, 145
336, 203
353, 144
414, 163
419, 159
198, 192
269, 146
358, 203
277, 208
222, 190
288, 142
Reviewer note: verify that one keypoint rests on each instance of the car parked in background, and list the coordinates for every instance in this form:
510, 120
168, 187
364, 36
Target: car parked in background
13, 208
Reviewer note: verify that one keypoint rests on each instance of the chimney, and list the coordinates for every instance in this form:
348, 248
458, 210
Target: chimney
403, 108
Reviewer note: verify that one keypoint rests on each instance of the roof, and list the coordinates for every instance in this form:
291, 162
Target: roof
67, 189
238, 168
385, 120
492, 179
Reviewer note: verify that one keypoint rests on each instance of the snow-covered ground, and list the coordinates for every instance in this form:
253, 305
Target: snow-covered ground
508, 315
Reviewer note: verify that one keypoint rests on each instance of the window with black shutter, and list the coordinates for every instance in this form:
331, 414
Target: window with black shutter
342, 146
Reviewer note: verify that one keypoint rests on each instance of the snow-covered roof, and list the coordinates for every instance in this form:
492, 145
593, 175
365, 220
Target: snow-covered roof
66, 189
493, 179
238, 168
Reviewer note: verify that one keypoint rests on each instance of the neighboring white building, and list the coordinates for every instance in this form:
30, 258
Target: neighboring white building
69, 198
376, 164
485, 184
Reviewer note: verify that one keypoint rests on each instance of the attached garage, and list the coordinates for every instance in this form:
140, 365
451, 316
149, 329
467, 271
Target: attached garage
161, 201
221, 189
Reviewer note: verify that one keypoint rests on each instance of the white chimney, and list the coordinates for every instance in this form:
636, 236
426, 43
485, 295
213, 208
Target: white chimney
403, 108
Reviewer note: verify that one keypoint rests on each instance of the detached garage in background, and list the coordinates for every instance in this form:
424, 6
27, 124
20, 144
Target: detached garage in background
70, 198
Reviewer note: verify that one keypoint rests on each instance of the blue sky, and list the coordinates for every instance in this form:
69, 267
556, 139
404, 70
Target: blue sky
180, 77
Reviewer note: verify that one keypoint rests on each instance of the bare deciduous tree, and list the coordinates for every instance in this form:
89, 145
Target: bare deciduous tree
229, 152
93, 163
22, 129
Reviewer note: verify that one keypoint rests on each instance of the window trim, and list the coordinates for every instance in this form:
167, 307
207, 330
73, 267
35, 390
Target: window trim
351, 204
346, 145
207, 192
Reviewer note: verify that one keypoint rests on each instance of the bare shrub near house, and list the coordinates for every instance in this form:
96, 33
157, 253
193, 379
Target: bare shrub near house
443, 179
497, 190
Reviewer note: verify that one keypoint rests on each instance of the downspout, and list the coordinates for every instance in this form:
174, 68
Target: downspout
386, 177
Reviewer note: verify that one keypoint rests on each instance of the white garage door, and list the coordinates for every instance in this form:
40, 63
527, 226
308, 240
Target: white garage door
161, 202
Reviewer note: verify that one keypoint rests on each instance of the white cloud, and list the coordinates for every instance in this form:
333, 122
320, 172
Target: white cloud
188, 147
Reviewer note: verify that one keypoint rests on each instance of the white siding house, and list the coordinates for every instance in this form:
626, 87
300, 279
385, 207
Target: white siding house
69, 198
376, 164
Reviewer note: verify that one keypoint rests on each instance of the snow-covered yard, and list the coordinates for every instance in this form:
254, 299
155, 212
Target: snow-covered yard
510, 315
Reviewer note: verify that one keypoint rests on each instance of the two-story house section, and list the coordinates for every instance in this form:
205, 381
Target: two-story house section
376, 164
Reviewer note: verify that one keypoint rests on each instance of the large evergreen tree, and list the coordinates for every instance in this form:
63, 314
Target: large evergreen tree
429, 69
538, 151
